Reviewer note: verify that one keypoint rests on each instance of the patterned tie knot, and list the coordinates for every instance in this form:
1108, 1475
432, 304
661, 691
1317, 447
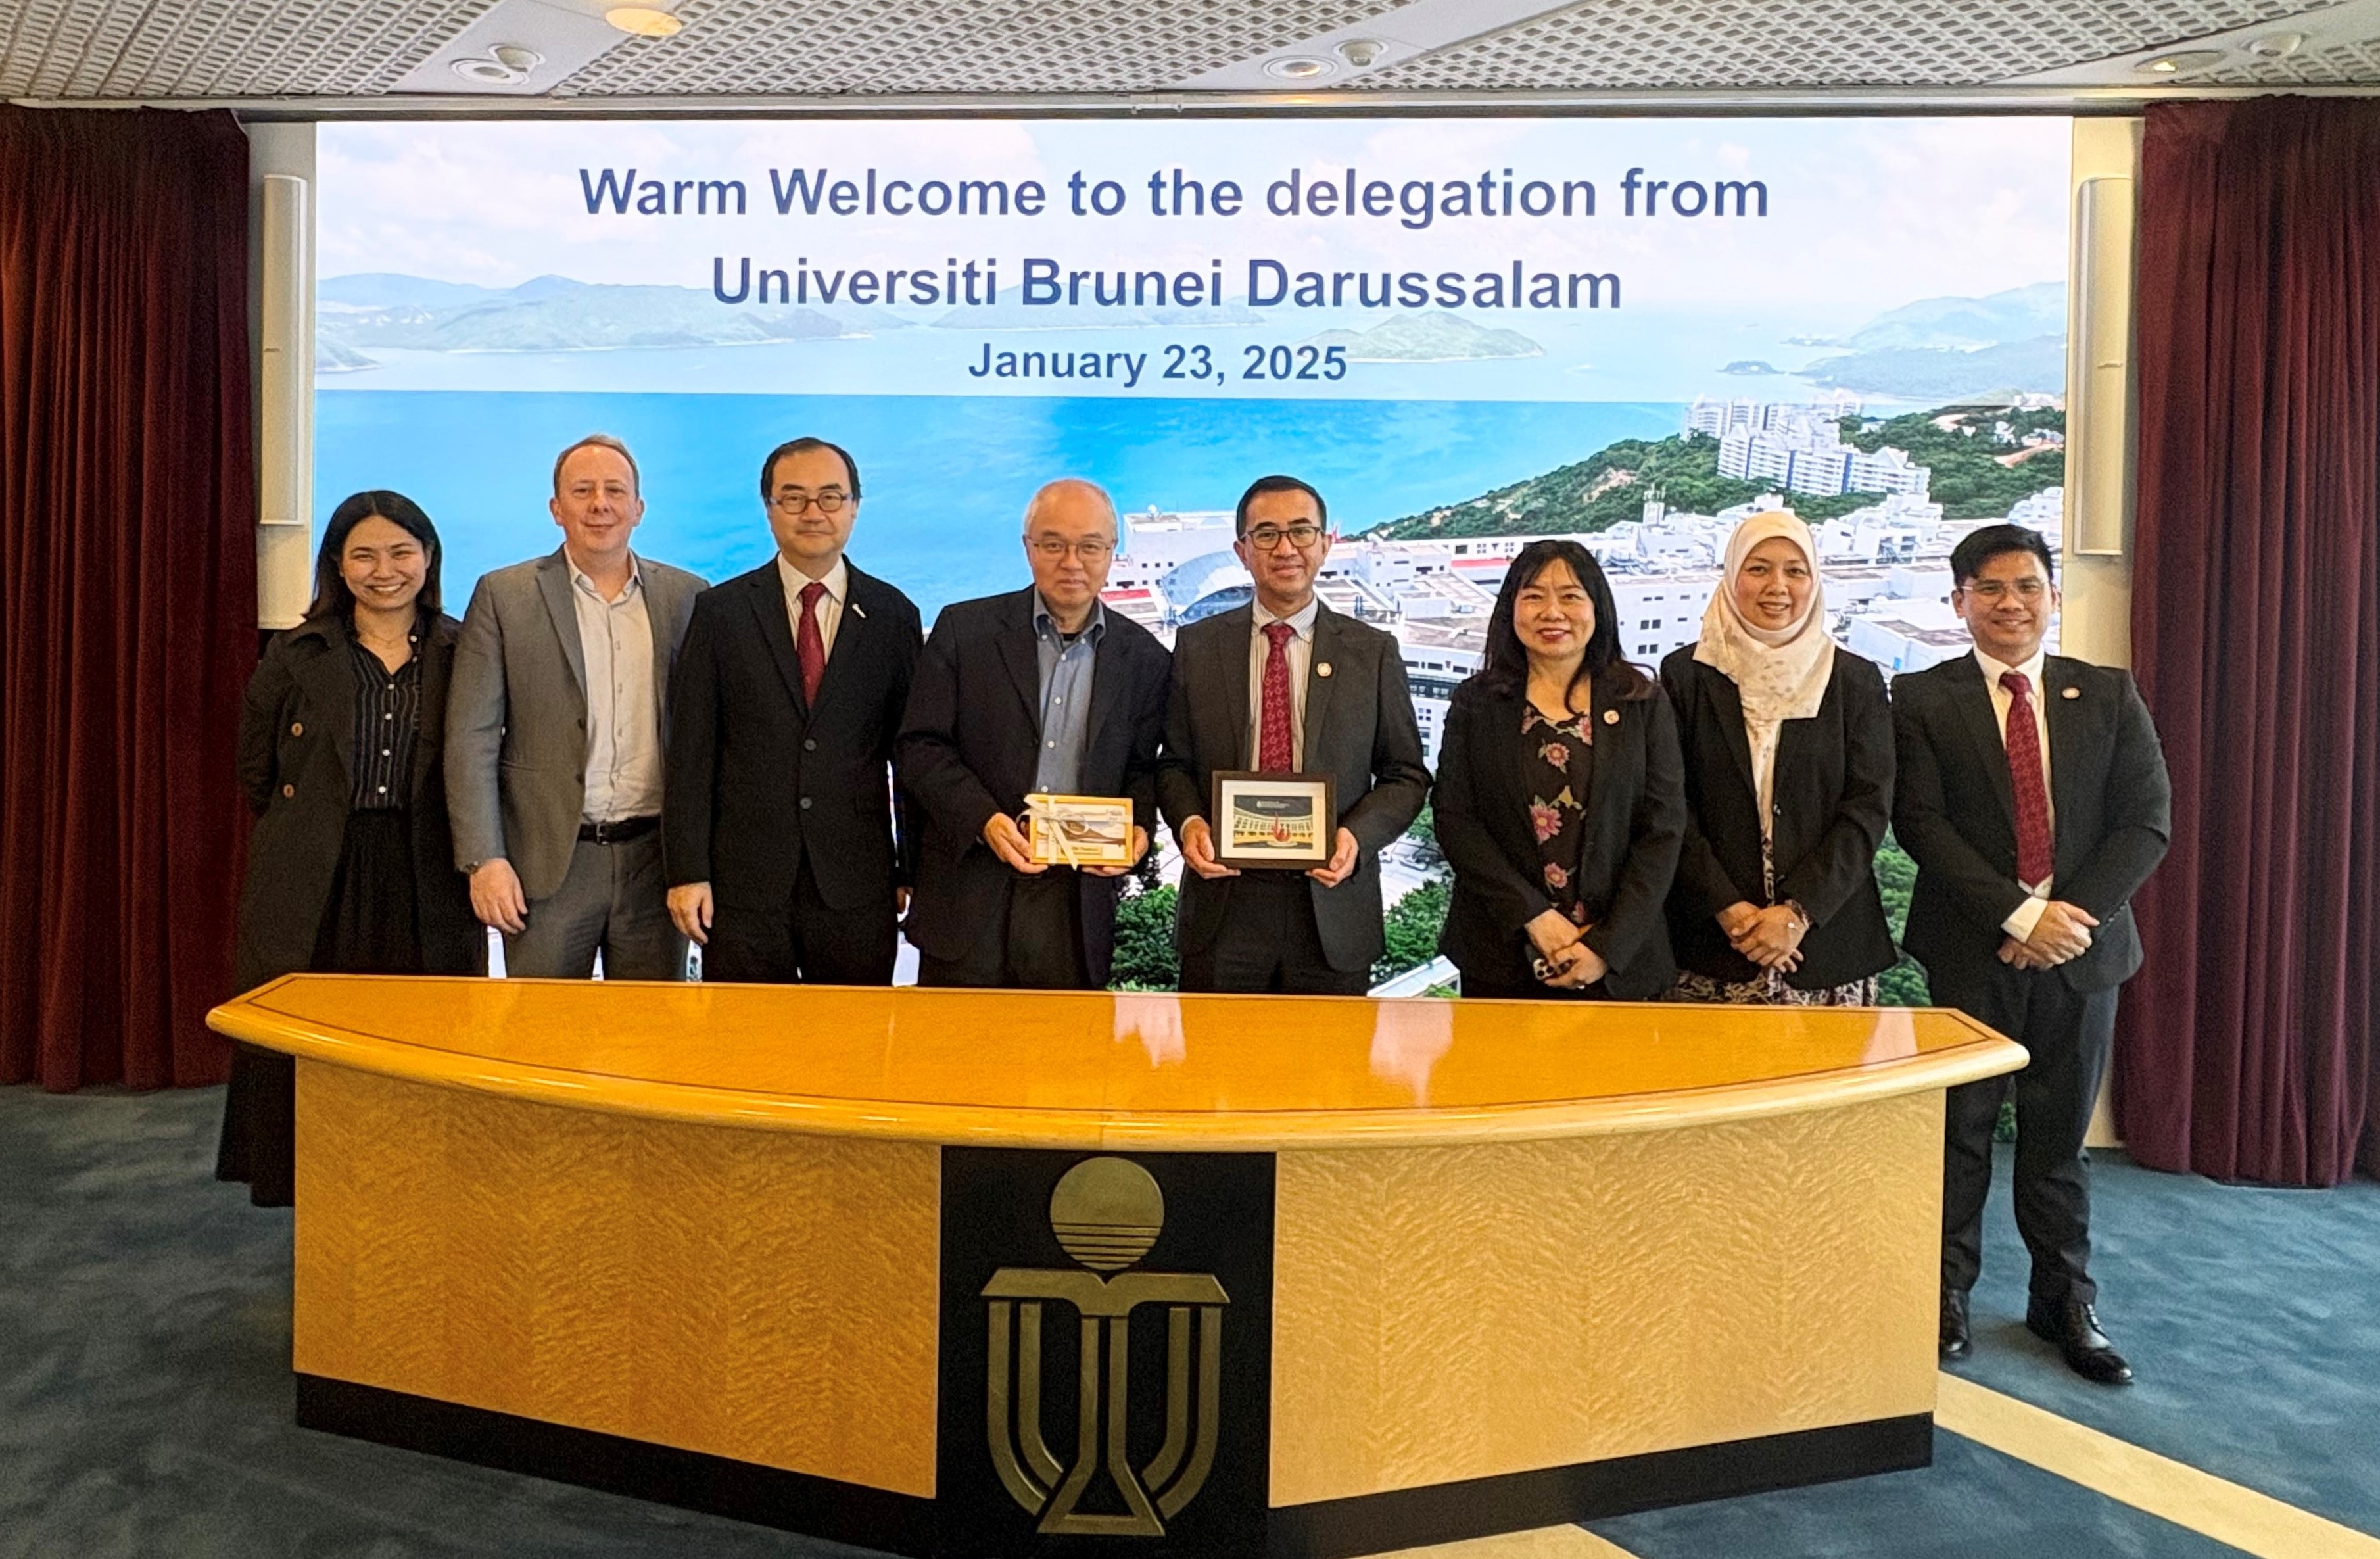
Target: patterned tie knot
2018, 684
1281, 634
810, 592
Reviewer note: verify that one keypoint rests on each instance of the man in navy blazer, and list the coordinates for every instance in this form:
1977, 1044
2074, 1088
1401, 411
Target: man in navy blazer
1034, 691
779, 839
2032, 796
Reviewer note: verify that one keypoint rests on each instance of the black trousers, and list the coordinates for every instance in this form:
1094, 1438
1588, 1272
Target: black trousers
806, 942
1267, 943
1036, 944
2069, 1035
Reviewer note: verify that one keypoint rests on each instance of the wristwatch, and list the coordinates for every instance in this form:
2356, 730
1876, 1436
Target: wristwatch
1799, 913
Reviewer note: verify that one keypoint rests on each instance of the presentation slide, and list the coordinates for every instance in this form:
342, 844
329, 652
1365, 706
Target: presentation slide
1466, 333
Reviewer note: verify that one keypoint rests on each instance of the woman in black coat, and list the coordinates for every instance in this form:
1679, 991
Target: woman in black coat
351, 865
1559, 801
1788, 756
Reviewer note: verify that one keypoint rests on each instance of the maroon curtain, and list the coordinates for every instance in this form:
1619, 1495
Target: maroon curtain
2246, 1048
127, 587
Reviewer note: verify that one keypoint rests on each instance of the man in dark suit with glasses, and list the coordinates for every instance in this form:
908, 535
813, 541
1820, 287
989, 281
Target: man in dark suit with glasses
780, 839
1286, 685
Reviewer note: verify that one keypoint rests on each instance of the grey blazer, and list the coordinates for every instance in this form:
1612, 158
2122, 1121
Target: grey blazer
1360, 729
517, 714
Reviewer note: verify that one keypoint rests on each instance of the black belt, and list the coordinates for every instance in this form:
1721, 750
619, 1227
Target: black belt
616, 831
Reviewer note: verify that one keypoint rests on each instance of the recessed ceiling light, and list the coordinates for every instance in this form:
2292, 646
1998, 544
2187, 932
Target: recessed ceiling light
2181, 63
645, 21
488, 72
1297, 67
2275, 45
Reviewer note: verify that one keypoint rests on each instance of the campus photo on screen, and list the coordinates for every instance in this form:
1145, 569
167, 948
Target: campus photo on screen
1470, 334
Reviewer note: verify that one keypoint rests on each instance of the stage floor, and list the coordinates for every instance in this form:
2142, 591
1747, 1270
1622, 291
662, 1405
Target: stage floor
146, 1403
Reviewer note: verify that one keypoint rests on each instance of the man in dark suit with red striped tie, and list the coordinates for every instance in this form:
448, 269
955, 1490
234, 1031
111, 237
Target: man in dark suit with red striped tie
778, 835
2032, 796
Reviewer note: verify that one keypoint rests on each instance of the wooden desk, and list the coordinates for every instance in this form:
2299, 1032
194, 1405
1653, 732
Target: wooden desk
787, 1252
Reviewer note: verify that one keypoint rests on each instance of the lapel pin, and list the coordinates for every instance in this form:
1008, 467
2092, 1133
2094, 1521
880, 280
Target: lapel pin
1611, 717
857, 610
1322, 668
2069, 692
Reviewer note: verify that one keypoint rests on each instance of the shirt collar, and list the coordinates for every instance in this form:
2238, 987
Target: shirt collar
579, 580
837, 581
1302, 619
1044, 624
2030, 669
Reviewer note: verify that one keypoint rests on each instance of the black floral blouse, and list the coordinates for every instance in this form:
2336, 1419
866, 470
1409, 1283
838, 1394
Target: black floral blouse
1559, 757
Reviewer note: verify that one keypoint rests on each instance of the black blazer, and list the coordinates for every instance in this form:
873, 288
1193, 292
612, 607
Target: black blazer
1635, 814
757, 780
1955, 816
971, 745
1360, 729
1833, 798
296, 757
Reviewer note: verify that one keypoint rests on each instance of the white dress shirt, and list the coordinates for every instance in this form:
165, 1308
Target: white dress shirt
830, 605
2028, 914
1300, 651
624, 741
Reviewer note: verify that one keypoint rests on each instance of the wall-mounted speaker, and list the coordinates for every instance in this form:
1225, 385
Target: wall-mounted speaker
285, 444
2099, 372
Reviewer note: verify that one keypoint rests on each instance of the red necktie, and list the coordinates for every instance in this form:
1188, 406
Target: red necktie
811, 645
2035, 858
1276, 753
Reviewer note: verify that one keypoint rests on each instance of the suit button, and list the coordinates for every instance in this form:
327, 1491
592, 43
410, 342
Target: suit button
809, 744
298, 727
288, 790
806, 803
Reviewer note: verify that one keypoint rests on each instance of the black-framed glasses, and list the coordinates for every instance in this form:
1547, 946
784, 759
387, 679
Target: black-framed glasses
1264, 538
793, 500
1092, 549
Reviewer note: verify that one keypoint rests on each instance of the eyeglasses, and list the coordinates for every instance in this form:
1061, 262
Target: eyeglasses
1993, 589
794, 501
1264, 538
1053, 548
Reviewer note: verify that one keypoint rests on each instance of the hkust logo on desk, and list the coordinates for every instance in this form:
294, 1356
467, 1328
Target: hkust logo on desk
1106, 1213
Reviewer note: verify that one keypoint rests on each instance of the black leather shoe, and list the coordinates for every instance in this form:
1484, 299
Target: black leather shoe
2074, 1325
1956, 1343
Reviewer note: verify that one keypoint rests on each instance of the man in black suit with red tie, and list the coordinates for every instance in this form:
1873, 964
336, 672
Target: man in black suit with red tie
1285, 685
779, 836
2032, 796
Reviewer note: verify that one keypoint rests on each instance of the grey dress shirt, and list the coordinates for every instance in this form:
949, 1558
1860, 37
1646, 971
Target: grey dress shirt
1066, 668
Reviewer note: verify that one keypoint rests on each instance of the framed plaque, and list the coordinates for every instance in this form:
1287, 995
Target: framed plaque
1286, 822
1078, 830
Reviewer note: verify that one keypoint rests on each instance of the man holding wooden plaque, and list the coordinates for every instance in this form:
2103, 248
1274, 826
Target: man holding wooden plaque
1030, 753
1293, 758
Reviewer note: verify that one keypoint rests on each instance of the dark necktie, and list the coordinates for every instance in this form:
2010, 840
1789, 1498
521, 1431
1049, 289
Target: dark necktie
811, 645
2035, 856
1276, 752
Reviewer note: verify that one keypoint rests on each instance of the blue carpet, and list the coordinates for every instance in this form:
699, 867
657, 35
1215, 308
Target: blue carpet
146, 1403
2251, 1316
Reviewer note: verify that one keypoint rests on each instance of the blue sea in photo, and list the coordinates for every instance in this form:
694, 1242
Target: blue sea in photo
945, 478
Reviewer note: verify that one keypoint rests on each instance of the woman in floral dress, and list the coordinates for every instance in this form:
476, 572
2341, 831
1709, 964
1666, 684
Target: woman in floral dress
1560, 801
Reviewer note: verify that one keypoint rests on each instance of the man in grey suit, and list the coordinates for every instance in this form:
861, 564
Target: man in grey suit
555, 730
1285, 684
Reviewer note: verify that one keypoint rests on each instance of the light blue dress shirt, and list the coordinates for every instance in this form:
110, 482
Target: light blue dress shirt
1065, 697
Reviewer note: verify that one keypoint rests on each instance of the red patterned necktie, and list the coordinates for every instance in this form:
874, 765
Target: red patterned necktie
1276, 753
2035, 858
811, 645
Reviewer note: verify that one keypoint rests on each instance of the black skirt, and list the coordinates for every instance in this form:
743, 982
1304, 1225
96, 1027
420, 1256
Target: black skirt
368, 928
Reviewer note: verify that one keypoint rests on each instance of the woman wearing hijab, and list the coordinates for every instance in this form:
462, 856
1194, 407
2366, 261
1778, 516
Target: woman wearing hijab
1557, 802
1787, 746
351, 866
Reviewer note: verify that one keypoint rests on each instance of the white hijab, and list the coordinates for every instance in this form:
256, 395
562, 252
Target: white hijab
1780, 674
